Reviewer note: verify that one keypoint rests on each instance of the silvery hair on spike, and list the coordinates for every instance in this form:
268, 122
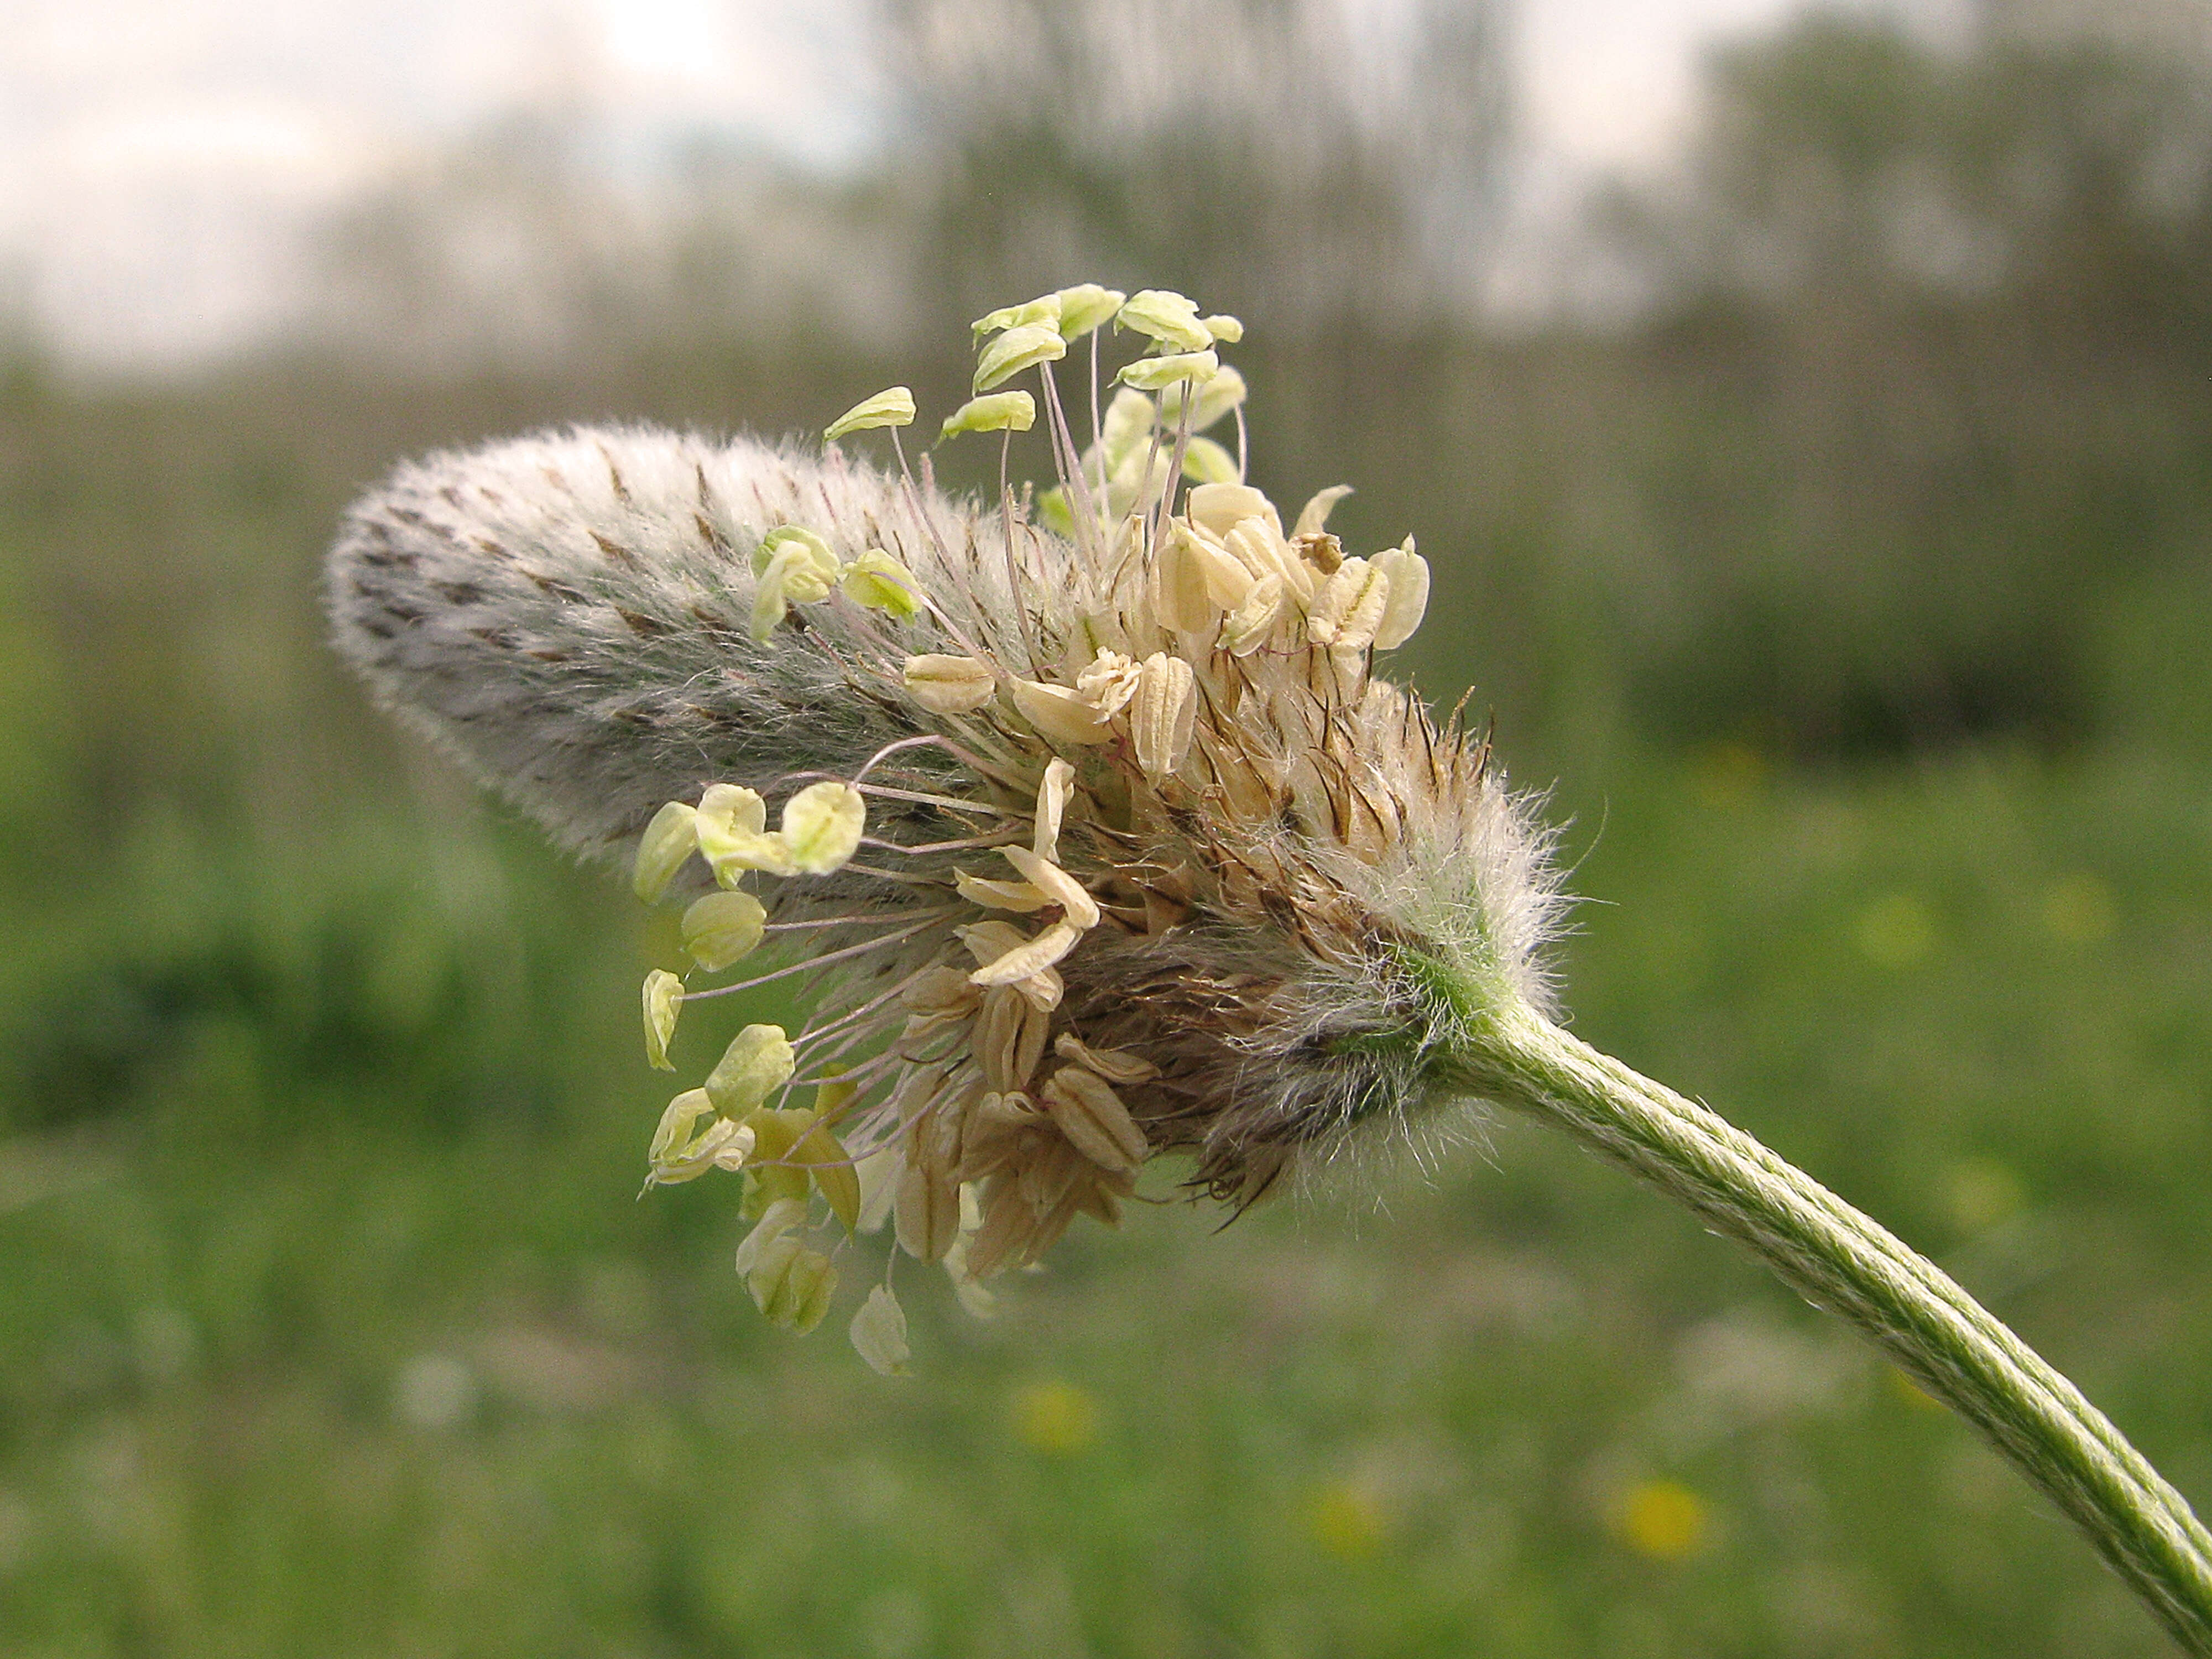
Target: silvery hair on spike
1095, 829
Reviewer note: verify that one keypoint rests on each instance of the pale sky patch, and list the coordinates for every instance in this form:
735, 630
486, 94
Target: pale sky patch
155, 156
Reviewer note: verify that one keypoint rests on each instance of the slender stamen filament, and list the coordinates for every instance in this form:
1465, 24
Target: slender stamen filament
1166, 507
1069, 465
996, 838
811, 965
814, 1033
900, 877
927, 740
950, 803
858, 1073
847, 921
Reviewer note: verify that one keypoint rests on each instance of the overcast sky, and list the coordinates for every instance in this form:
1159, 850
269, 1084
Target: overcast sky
154, 153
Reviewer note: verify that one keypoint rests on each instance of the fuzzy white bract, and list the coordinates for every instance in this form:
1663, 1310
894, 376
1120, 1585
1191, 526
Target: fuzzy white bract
1096, 832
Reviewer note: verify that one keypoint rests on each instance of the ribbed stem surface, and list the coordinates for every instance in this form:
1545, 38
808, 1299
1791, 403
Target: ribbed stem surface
1842, 1261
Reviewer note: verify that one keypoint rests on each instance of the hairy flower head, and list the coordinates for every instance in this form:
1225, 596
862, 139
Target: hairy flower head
1099, 836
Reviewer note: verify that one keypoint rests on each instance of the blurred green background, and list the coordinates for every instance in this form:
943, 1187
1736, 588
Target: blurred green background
1847, 583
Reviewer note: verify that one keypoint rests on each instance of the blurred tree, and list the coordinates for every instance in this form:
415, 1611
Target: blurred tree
1846, 163
1316, 163
1956, 307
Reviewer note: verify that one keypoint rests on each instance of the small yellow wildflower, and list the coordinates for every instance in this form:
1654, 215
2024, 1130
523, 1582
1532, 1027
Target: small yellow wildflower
1665, 1520
1347, 1520
1057, 1419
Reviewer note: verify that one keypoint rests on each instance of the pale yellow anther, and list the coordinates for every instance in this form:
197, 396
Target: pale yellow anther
1221, 507
1091, 633
817, 556
822, 1157
1226, 577
1142, 476
996, 1120
783, 1217
1407, 573
793, 1285
1313, 517
1260, 545
729, 826
1053, 790
722, 928
1168, 317
1085, 307
774, 1176
1212, 400
1107, 683
668, 843
758, 1061
664, 996
1151, 373
1055, 513
1085, 1108
1077, 906
1047, 310
878, 1334
1016, 350
834, 1098
675, 1126
976, 1297
1009, 1037
1059, 715
1016, 895
1165, 713
992, 942
728, 810
937, 991
1115, 1065
677, 1155
1205, 461
892, 407
1247, 629
879, 1178
1348, 607
1030, 958
1002, 411
880, 582
949, 685
771, 604
792, 564
1223, 328
987, 941
926, 1212
1129, 421
822, 825
1043, 989
1181, 599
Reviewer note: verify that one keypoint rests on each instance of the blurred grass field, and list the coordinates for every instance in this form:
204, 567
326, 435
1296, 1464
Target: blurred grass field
330, 1322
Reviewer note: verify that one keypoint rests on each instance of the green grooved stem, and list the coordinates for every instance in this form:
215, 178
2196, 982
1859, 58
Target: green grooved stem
1840, 1260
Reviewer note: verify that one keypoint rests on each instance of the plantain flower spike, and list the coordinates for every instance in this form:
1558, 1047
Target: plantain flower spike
1106, 851
1100, 850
